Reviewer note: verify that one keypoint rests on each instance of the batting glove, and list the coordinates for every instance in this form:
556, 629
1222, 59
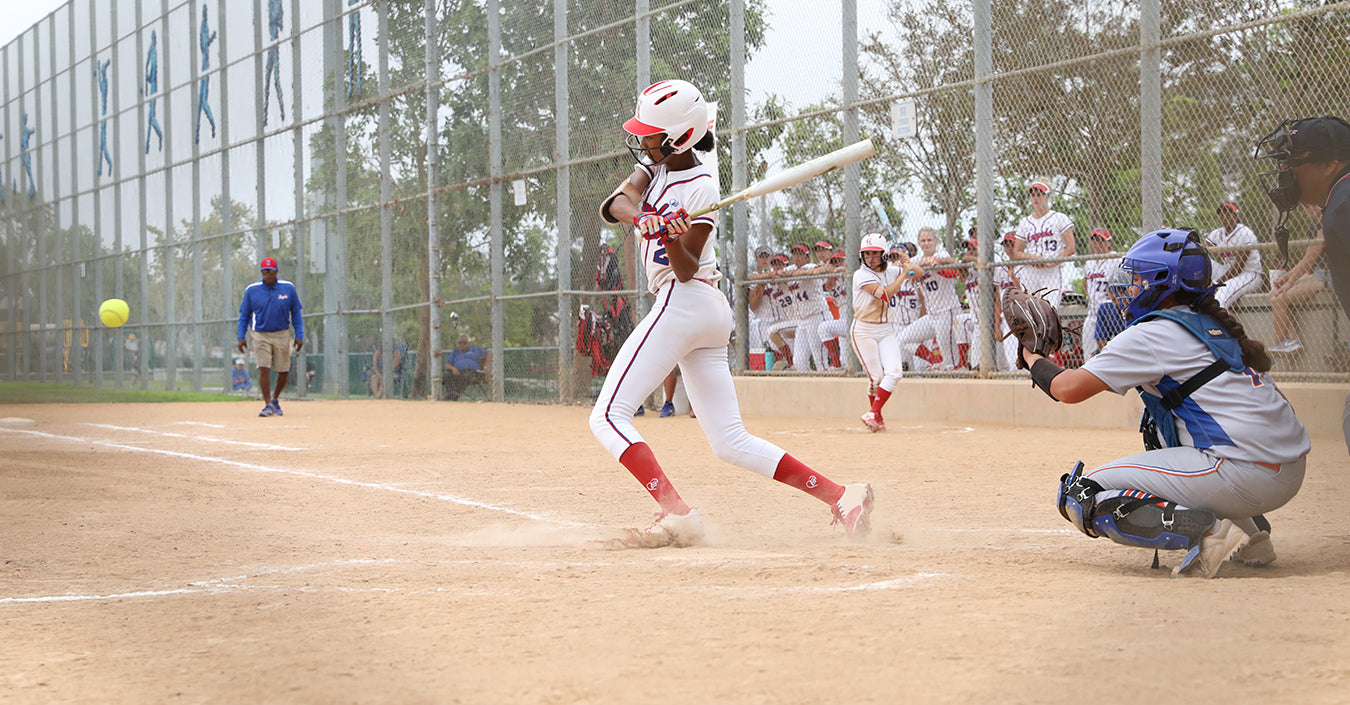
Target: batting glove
649, 224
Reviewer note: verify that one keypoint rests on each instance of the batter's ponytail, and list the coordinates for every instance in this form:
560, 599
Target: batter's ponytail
1254, 353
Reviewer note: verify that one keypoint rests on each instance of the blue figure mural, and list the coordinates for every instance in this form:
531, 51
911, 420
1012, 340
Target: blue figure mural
353, 51
26, 133
149, 89
204, 85
101, 71
273, 75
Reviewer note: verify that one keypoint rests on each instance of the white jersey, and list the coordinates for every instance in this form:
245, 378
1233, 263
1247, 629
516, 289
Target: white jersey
1097, 280
784, 303
1238, 415
766, 311
1241, 235
808, 293
1044, 236
939, 292
869, 308
668, 192
906, 307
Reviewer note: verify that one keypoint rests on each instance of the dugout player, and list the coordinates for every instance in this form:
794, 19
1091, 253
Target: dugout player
1312, 165
1224, 445
690, 323
269, 309
1043, 234
1239, 271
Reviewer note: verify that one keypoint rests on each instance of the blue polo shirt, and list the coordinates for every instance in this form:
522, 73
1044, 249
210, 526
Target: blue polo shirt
270, 308
467, 361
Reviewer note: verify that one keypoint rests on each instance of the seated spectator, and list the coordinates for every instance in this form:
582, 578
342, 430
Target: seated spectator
464, 365
374, 376
1297, 285
1237, 272
240, 379
1110, 314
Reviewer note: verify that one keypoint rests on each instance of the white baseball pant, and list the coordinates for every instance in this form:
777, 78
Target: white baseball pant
877, 351
934, 325
690, 325
1237, 287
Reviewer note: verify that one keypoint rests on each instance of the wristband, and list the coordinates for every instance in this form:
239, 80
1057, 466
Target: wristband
1043, 372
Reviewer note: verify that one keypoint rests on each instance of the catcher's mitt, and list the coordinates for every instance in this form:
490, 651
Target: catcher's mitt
1034, 321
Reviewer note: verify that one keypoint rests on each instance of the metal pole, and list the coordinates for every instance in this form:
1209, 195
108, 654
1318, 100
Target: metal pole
433, 73
143, 340
96, 350
740, 215
63, 330
643, 35
338, 242
196, 356
301, 365
34, 218
852, 172
386, 213
170, 359
114, 171
227, 332
984, 180
562, 135
1150, 112
77, 336
495, 193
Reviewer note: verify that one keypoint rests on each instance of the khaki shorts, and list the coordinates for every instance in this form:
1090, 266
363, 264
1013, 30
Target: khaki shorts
272, 349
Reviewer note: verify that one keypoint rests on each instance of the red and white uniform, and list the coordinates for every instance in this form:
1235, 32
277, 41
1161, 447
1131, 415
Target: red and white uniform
872, 335
835, 290
690, 324
940, 307
1005, 278
1246, 281
1097, 282
1044, 238
812, 310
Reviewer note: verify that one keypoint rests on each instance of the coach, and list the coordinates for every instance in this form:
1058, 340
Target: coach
269, 309
1312, 158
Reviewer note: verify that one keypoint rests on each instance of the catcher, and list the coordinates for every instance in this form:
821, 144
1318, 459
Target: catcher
1223, 446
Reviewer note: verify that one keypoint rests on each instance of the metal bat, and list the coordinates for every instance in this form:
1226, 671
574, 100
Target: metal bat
796, 175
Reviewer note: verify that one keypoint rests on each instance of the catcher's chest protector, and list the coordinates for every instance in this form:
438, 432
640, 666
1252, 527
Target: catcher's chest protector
1158, 425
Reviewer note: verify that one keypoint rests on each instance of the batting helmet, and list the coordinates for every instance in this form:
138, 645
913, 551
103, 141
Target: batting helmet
676, 108
1161, 263
873, 242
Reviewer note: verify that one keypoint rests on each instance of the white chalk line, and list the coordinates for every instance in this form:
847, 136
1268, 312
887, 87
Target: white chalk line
198, 423
253, 467
214, 585
208, 439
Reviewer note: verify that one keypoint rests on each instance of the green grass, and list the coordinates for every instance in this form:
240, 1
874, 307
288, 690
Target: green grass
34, 393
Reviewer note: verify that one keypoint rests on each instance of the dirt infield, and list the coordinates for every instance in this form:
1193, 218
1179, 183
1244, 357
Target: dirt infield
396, 552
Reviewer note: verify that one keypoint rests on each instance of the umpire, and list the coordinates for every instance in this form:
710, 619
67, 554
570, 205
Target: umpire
1312, 157
269, 309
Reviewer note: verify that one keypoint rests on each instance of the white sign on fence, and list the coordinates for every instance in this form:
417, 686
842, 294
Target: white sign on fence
903, 120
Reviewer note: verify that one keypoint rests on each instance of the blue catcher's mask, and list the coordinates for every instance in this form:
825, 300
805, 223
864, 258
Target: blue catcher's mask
1159, 264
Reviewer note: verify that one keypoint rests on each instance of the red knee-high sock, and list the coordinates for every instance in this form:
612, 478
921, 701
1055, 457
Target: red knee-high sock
880, 401
640, 461
795, 473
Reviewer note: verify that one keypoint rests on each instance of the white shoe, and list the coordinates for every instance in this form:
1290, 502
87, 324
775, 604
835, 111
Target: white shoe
1258, 552
1214, 549
870, 420
1287, 345
668, 530
854, 511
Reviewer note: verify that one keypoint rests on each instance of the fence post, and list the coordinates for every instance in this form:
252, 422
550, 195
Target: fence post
433, 72
1150, 113
740, 215
563, 149
984, 180
386, 213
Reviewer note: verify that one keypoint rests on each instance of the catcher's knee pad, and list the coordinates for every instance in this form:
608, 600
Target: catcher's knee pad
1077, 499
1150, 522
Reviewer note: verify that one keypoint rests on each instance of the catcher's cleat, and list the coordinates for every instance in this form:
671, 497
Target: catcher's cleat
1258, 552
854, 511
1212, 552
266, 410
667, 530
872, 422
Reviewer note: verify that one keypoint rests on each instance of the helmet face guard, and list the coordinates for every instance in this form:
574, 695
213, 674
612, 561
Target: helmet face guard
1282, 187
1160, 264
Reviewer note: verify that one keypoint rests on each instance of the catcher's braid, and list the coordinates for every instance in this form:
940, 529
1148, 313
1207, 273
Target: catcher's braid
1034, 321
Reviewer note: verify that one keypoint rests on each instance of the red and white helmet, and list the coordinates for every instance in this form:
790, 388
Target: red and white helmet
872, 242
674, 107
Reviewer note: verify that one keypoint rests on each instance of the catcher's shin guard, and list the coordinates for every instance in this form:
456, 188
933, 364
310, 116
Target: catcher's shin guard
1077, 499
1151, 522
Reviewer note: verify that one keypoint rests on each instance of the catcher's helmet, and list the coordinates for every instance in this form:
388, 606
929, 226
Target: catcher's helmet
1161, 263
674, 107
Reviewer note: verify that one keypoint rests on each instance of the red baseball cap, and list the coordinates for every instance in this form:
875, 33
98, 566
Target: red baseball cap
1039, 185
800, 247
268, 263
1102, 233
838, 256
1226, 205
1009, 237
824, 244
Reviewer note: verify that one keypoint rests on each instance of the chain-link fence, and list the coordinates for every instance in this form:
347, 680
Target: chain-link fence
156, 150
